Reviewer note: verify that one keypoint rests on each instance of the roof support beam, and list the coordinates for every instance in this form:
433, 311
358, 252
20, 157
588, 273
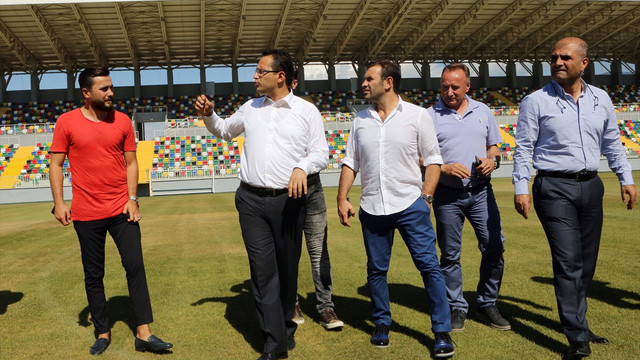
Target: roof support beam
127, 37
203, 37
347, 31
236, 46
406, 48
165, 38
57, 46
614, 28
512, 38
551, 31
599, 18
378, 39
97, 52
275, 38
490, 30
22, 53
313, 32
448, 36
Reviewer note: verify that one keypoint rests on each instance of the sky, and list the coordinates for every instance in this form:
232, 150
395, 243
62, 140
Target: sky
124, 77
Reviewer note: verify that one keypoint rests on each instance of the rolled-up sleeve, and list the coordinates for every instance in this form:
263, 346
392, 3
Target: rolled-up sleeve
428, 140
351, 156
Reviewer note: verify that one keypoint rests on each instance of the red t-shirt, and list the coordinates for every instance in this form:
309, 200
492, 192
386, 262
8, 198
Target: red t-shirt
96, 161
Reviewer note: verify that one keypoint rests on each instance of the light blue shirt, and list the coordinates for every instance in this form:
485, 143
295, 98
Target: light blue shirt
565, 136
463, 137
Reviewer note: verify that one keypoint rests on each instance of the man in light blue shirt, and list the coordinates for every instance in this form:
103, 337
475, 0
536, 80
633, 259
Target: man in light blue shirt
468, 136
565, 127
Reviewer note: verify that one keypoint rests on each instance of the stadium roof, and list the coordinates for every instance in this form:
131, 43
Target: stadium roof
37, 36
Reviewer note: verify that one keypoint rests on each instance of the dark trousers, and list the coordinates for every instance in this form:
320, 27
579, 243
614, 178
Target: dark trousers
126, 235
571, 214
272, 232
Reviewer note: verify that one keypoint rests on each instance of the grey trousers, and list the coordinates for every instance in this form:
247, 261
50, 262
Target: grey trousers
315, 233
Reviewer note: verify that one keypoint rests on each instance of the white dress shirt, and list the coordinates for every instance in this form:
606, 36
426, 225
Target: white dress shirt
387, 155
279, 136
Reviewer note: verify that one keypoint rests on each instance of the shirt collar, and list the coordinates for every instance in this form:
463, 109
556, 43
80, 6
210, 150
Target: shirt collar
285, 101
441, 106
560, 90
372, 108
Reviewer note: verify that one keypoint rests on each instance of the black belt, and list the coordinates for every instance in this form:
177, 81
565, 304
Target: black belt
268, 192
313, 179
582, 175
466, 188
263, 192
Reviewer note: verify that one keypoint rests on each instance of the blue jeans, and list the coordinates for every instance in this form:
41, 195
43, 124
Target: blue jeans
315, 234
451, 206
414, 224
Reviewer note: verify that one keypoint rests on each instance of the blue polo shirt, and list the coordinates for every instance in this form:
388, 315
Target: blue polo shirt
463, 137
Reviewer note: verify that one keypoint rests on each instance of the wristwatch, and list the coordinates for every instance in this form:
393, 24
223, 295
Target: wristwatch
134, 198
428, 198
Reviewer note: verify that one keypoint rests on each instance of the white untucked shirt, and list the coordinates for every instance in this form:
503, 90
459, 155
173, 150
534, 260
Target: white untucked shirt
387, 155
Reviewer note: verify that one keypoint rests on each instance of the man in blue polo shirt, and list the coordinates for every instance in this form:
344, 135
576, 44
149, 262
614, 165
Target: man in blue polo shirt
467, 134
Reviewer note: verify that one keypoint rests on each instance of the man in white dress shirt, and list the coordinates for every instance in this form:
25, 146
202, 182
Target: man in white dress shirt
284, 142
385, 146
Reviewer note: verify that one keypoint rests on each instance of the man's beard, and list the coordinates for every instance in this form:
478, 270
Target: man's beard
103, 107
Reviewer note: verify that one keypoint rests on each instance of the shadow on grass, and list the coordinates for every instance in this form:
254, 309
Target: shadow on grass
518, 311
358, 311
118, 309
601, 291
8, 297
240, 313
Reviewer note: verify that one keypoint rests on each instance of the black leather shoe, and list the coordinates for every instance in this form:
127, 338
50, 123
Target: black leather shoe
274, 356
291, 344
152, 344
99, 346
593, 338
577, 350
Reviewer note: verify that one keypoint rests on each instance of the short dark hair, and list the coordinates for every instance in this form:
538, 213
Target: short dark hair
456, 66
389, 68
282, 61
85, 80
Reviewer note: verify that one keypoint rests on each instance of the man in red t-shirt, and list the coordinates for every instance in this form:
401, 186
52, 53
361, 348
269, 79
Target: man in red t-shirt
101, 148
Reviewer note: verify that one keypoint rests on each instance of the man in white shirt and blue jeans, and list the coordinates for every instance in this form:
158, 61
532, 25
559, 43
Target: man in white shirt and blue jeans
385, 145
284, 142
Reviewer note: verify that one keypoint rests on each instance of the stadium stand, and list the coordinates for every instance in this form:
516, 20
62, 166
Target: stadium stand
194, 156
6, 153
630, 135
203, 155
337, 141
36, 117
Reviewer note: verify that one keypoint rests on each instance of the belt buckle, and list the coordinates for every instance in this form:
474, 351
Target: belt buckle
582, 175
273, 192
